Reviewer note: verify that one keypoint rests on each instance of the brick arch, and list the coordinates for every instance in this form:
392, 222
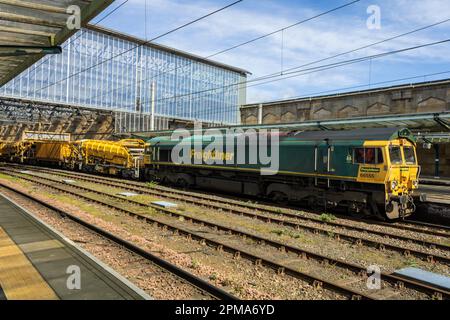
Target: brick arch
378, 108
251, 119
432, 104
348, 111
270, 118
288, 117
322, 114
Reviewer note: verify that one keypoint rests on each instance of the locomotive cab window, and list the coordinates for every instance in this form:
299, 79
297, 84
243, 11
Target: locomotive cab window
165, 156
395, 154
368, 156
410, 157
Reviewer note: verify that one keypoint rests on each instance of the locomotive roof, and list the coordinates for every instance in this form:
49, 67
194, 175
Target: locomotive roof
373, 134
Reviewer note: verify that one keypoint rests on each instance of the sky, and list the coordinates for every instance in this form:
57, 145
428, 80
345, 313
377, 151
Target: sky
337, 32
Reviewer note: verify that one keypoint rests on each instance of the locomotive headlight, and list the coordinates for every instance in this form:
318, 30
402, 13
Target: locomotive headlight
394, 185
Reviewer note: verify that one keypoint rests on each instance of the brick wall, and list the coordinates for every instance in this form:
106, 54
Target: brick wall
417, 98
410, 99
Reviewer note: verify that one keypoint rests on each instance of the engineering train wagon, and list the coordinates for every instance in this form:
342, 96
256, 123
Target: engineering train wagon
38, 147
124, 158
13, 151
50, 152
370, 172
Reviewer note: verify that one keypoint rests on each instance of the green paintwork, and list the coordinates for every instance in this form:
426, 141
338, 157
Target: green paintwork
296, 155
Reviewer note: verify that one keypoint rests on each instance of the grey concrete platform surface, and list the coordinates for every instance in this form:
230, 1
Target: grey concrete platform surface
37, 262
435, 181
439, 194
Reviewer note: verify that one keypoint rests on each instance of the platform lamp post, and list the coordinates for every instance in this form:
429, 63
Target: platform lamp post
152, 115
437, 161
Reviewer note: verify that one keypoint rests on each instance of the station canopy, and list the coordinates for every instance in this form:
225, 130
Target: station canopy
31, 29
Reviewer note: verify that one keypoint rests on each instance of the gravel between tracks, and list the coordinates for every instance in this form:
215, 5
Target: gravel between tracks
371, 225
328, 272
345, 222
324, 244
237, 276
156, 282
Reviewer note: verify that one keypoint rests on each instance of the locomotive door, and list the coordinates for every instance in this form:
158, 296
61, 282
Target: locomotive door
323, 153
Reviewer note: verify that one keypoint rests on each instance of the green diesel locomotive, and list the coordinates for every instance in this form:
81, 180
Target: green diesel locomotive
368, 172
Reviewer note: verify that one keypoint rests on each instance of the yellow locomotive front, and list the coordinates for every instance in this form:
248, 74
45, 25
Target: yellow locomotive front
393, 165
402, 178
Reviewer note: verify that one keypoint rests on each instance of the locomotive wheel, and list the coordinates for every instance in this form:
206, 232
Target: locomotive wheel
354, 213
393, 210
358, 213
279, 197
312, 202
182, 183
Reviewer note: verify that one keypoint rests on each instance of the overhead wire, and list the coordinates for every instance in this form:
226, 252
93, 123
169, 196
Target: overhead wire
236, 46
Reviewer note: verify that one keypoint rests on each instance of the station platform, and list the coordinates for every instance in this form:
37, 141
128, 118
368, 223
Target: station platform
38, 263
435, 181
437, 190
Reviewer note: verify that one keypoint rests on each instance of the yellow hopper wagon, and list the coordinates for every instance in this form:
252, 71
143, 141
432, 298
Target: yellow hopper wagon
51, 152
15, 151
46, 148
124, 158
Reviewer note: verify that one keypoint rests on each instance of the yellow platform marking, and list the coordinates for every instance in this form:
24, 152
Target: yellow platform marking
18, 277
41, 246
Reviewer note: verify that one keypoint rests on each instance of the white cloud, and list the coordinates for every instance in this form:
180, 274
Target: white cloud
329, 35
416, 11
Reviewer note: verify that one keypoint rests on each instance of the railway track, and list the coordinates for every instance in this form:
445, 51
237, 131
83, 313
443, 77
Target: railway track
428, 225
293, 224
202, 286
241, 207
396, 281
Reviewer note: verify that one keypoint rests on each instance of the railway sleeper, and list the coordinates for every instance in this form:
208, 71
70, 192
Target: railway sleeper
121, 210
200, 221
298, 227
237, 232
